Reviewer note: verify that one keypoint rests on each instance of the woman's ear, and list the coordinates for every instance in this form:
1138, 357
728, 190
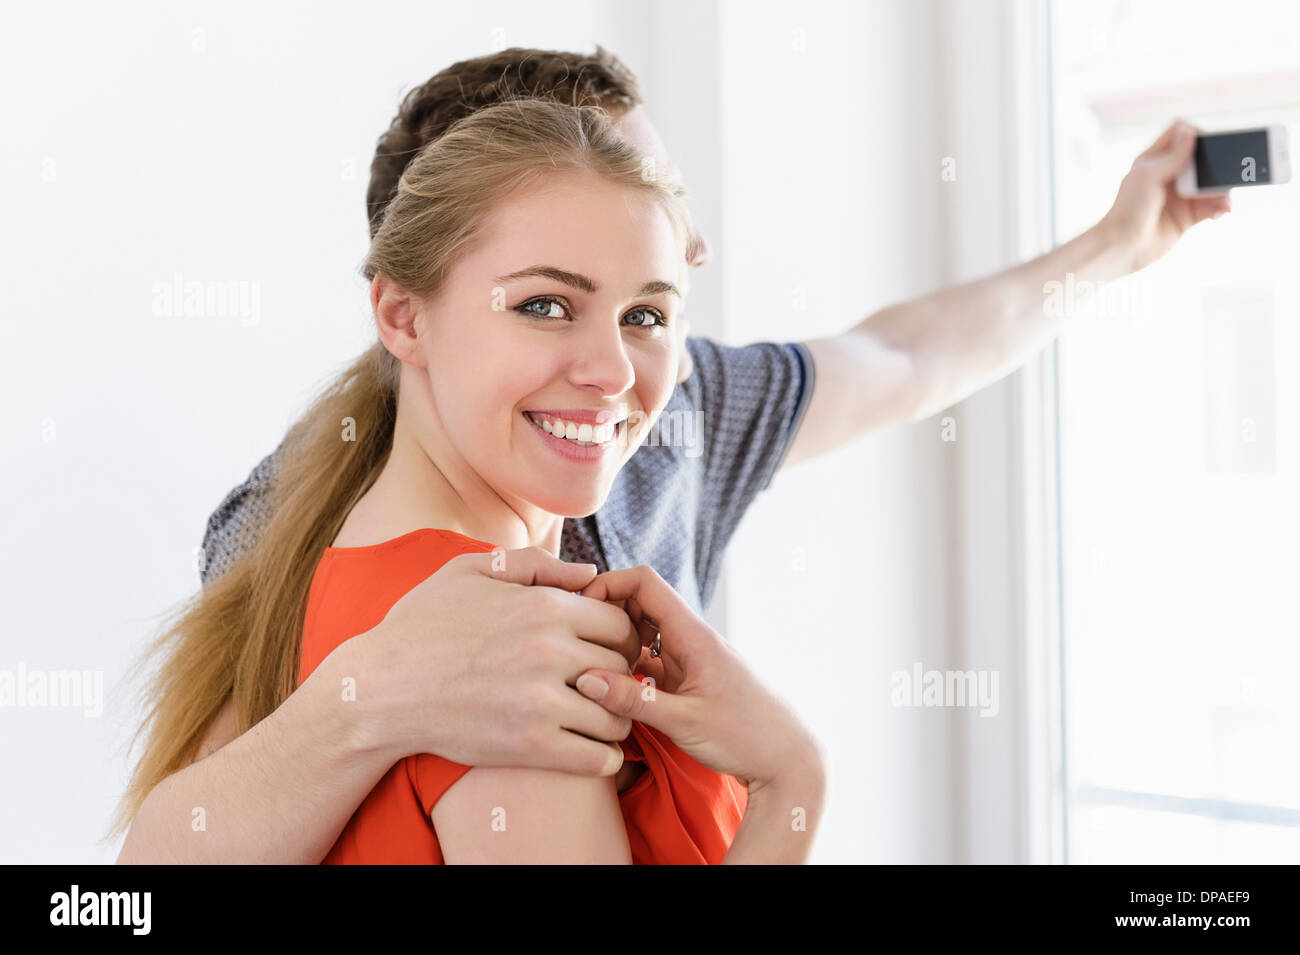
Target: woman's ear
397, 319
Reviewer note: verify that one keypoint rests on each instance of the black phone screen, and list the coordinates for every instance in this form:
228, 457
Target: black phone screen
1232, 159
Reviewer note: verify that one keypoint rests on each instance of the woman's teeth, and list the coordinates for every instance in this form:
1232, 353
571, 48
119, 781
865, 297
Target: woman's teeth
583, 435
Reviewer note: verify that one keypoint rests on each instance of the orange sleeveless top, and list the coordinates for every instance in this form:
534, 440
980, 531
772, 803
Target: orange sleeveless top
677, 811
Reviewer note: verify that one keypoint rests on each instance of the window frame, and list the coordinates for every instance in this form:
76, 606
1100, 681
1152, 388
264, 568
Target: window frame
1006, 477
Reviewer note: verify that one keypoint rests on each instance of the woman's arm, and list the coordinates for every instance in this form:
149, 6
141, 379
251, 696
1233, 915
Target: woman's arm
708, 702
538, 817
531, 817
781, 818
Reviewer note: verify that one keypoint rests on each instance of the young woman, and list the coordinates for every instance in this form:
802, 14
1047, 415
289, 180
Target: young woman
525, 281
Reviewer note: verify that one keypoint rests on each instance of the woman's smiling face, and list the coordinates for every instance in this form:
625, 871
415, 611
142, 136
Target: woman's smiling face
562, 309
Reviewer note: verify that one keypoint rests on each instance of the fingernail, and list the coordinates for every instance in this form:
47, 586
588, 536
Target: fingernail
613, 764
592, 687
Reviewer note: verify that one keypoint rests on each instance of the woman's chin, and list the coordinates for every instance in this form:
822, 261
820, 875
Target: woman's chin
570, 502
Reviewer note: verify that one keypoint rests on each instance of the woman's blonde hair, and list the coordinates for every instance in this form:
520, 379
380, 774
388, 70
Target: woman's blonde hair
240, 638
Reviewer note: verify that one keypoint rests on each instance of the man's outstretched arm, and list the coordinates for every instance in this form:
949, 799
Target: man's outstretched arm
911, 360
279, 794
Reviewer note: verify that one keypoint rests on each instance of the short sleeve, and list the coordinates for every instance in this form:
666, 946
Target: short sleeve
431, 776
234, 527
752, 400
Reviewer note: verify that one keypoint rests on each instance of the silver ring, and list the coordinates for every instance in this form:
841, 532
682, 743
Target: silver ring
655, 646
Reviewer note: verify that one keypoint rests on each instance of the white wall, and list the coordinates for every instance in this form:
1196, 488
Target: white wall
241, 152
832, 144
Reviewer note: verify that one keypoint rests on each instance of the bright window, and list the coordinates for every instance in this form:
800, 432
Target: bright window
1180, 454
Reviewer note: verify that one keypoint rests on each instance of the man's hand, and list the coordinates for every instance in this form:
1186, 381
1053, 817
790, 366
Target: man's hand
478, 664
1148, 215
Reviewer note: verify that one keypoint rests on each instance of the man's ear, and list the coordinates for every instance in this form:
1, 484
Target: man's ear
397, 319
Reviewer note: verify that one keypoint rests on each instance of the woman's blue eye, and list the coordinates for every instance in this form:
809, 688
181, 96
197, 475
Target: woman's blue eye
653, 315
548, 304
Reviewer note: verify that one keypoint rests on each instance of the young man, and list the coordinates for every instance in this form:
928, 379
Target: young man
494, 691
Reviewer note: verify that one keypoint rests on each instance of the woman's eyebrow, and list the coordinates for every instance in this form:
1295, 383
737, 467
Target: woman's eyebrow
581, 282
659, 287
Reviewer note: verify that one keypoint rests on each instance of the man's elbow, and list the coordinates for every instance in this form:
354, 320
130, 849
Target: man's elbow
930, 387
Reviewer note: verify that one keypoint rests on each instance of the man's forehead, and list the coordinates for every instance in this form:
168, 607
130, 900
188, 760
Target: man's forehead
636, 127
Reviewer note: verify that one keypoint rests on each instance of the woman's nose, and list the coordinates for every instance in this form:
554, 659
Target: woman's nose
602, 360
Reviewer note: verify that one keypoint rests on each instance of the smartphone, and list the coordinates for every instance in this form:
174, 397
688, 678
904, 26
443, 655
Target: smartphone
1234, 158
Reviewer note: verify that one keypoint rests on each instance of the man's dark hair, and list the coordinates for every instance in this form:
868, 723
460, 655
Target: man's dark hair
599, 79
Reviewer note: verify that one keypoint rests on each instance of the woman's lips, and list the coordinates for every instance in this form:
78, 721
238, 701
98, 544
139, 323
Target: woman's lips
572, 451
579, 415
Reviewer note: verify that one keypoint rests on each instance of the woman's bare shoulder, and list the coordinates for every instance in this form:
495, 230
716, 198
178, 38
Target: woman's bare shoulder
529, 816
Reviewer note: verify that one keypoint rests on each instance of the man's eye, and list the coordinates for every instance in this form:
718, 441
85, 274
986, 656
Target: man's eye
649, 321
543, 308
